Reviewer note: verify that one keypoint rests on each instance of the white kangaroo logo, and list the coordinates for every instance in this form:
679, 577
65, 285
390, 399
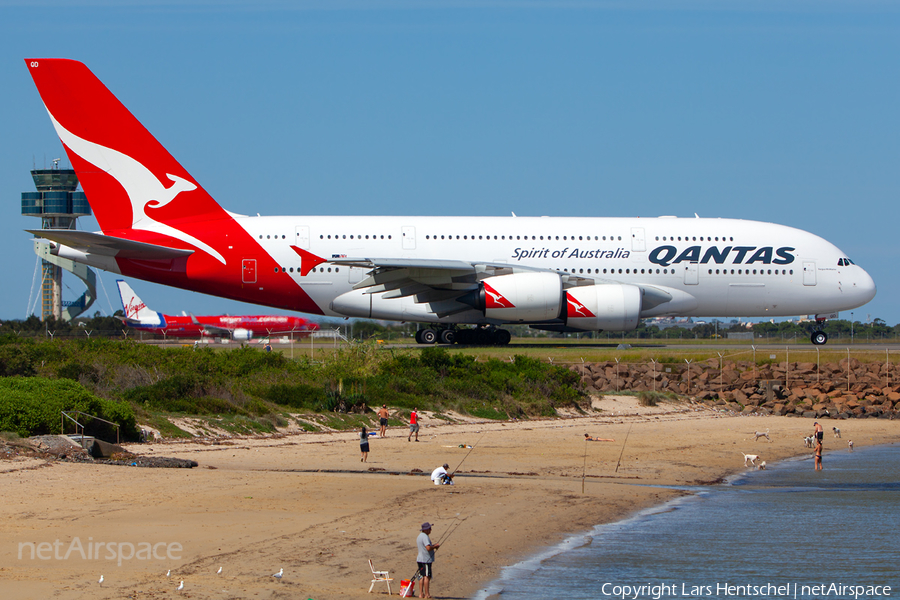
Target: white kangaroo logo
497, 297
141, 185
579, 308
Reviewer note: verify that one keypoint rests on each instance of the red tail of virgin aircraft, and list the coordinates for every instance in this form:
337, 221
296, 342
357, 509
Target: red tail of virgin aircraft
139, 316
572, 273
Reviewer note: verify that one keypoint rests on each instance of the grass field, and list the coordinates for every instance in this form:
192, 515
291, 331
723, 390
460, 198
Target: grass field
571, 351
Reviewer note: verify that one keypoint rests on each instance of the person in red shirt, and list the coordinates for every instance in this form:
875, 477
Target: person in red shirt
413, 425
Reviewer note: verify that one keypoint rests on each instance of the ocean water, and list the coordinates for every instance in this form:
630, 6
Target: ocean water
786, 532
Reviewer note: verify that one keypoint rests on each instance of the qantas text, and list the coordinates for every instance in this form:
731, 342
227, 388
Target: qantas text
669, 255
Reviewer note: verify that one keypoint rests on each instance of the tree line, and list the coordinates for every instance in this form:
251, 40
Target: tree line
876, 330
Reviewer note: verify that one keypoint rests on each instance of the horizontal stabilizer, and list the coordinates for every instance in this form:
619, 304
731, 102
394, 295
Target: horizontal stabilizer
105, 245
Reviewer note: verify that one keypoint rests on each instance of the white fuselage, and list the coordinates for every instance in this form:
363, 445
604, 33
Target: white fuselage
711, 267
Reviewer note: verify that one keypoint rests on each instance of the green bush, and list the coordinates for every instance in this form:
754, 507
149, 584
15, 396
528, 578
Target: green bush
16, 360
248, 382
300, 395
76, 371
182, 393
33, 406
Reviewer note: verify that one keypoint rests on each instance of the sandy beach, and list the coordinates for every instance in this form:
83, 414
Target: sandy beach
306, 504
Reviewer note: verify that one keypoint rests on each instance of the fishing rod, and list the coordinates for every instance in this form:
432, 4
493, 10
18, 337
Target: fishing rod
450, 530
623, 448
584, 465
467, 454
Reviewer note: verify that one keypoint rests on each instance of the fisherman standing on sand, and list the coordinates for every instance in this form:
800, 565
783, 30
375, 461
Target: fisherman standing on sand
425, 559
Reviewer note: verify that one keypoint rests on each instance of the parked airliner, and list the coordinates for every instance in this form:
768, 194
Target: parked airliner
554, 273
244, 327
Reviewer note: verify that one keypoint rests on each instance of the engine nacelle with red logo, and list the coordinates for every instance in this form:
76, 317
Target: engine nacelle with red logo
603, 307
518, 298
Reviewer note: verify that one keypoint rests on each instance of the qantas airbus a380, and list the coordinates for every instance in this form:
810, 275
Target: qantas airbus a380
554, 273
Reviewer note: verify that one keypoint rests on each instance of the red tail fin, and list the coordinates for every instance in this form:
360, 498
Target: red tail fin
132, 182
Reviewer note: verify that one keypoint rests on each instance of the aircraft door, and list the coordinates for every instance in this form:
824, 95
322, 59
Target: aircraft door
637, 239
355, 274
691, 274
809, 273
301, 237
409, 237
248, 270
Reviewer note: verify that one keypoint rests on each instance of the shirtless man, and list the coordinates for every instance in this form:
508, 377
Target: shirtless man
818, 456
588, 438
383, 417
819, 433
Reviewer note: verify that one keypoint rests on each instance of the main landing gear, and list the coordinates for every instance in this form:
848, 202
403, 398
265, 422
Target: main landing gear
478, 336
426, 336
819, 337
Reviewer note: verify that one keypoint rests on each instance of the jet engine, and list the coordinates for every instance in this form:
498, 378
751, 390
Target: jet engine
241, 334
612, 307
520, 297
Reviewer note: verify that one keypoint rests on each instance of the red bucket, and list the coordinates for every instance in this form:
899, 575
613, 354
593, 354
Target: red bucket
407, 588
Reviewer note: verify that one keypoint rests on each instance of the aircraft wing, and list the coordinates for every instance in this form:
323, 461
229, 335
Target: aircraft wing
445, 280
427, 280
105, 245
210, 329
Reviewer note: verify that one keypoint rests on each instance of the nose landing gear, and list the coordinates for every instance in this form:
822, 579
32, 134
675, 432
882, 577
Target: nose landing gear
818, 337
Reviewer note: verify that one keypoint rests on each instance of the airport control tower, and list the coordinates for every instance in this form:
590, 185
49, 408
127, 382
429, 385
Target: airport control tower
58, 205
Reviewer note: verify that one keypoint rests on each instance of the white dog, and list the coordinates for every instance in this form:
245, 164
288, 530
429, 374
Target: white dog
761, 466
759, 434
837, 432
850, 445
808, 440
751, 458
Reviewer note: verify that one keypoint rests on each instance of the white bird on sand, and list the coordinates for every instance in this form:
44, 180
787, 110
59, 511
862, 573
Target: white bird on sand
219, 572
279, 574
101, 580
169, 572
180, 587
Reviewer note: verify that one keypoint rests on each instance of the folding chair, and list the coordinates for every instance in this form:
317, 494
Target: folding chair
378, 576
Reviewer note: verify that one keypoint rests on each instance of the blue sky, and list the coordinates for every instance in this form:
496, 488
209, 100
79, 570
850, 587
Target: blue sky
774, 111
